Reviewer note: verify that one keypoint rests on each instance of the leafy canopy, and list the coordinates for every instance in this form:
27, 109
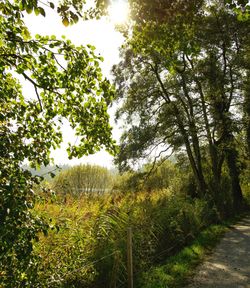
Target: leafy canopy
182, 88
65, 84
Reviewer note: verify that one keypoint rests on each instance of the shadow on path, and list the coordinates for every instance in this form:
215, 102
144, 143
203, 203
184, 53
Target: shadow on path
229, 265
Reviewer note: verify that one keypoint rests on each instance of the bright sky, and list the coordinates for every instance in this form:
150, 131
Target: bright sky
101, 34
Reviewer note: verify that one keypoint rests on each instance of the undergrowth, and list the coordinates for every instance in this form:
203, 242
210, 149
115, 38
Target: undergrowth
87, 247
178, 268
176, 271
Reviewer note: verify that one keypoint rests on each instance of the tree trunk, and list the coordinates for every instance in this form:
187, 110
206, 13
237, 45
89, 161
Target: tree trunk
231, 158
247, 111
194, 158
197, 169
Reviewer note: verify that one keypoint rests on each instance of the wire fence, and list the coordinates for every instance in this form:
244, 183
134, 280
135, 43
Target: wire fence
123, 280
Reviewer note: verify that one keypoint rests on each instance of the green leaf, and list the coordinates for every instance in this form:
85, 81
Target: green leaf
75, 18
37, 11
91, 47
52, 5
29, 9
42, 12
65, 22
63, 8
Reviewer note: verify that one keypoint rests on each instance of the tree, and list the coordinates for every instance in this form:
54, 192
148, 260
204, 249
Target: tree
181, 86
66, 83
82, 180
240, 7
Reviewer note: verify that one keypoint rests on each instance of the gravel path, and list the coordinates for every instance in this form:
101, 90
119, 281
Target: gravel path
229, 265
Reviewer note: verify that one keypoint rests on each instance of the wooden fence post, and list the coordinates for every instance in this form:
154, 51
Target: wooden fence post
130, 258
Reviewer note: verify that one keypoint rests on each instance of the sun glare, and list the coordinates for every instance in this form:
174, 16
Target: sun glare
118, 11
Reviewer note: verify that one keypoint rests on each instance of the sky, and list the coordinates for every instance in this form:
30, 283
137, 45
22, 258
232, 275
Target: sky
101, 34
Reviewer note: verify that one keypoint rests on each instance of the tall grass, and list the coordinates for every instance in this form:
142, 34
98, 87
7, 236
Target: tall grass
177, 269
89, 248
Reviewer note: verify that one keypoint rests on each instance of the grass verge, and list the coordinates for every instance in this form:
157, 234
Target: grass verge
178, 268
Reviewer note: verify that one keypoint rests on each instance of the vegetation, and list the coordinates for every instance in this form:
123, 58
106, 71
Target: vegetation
67, 85
176, 271
184, 92
46, 172
92, 234
83, 179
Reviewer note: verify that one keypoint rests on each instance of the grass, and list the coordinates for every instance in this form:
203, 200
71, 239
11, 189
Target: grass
92, 229
178, 268
89, 248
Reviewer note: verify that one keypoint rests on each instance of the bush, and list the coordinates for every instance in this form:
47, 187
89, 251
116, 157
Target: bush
150, 178
82, 179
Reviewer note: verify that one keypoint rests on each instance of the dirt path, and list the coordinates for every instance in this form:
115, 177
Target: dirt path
229, 265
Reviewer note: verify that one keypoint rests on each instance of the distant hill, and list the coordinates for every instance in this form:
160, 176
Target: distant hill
46, 171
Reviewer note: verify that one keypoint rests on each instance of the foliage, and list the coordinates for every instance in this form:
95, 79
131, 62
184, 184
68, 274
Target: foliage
69, 10
19, 227
93, 236
240, 7
182, 89
178, 268
151, 177
245, 181
67, 85
82, 179
47, 172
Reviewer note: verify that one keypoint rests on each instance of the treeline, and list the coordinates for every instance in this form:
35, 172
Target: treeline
86, 179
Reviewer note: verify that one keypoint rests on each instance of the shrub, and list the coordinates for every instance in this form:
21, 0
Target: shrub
82, 179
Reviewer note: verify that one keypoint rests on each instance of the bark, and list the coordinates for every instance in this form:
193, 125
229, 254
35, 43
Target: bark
194, 136
213, 149
247, 110
231, 158
194, 157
